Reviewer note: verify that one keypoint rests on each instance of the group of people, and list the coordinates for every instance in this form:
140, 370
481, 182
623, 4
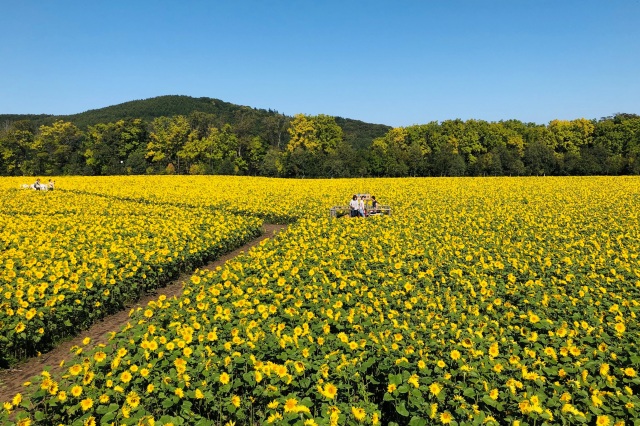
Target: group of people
358, 206
38, 186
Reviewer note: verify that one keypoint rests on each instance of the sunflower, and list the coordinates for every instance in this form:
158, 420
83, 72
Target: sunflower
99, 356
414, 380
329, 390
290, 405
235, 401
494, 350
133, 399
86, 404
358, 413
75, 369
446, 418
76, 391
224, 378
435, 388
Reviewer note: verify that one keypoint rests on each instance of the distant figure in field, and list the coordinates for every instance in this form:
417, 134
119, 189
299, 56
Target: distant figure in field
374, 205
37, 186
354, 205
361, 206
51, 184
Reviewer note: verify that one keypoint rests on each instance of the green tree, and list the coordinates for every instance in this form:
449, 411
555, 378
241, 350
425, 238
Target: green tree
276, 126
16, 149
314, 134
273, 163
167, 137
539, 159
255, 150
313, 140
448, 162
196, 150
57, 148
390, 155
570, 136
107, 147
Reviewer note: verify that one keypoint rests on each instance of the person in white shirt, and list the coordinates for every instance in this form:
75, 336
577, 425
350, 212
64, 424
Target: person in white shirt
354, 205
361, 206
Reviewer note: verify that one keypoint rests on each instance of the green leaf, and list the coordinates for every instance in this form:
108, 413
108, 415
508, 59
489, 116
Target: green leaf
595, 410
372, 379
249, 378
107, 418
368, 363
402, 409
395, 379
417, 421
487, 400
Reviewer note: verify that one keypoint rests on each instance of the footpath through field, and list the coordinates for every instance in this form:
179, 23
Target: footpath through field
11, 380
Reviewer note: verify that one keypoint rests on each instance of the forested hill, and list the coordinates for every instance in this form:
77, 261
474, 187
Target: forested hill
357, 133
181, 134
161, 106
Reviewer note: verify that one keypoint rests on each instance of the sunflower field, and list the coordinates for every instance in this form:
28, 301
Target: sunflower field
479, 301
67, 259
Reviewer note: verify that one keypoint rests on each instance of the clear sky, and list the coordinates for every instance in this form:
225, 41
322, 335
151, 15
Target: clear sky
397, 62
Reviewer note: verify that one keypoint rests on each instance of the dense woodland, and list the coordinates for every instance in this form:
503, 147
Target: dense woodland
184, 135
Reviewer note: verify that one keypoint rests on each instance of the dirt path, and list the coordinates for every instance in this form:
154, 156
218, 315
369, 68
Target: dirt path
11, 380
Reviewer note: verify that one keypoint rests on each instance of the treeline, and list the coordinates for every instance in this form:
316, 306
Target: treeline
267, 143
609, 146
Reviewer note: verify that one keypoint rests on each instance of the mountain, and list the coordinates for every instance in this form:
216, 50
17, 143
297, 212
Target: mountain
358, 133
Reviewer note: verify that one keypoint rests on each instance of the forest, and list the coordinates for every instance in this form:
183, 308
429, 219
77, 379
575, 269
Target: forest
185, 135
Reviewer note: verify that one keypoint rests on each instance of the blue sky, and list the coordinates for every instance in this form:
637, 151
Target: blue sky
392, 62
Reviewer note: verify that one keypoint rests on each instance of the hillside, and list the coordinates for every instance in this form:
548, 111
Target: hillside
358, 133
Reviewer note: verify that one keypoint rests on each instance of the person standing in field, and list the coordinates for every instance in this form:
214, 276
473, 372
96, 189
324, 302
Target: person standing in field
361, 206
354, 204
374, 204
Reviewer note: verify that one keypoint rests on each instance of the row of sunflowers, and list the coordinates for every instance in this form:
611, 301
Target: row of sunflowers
480, 301
67, 260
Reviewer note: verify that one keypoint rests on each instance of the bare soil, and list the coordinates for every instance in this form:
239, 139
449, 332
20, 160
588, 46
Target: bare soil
12, 380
